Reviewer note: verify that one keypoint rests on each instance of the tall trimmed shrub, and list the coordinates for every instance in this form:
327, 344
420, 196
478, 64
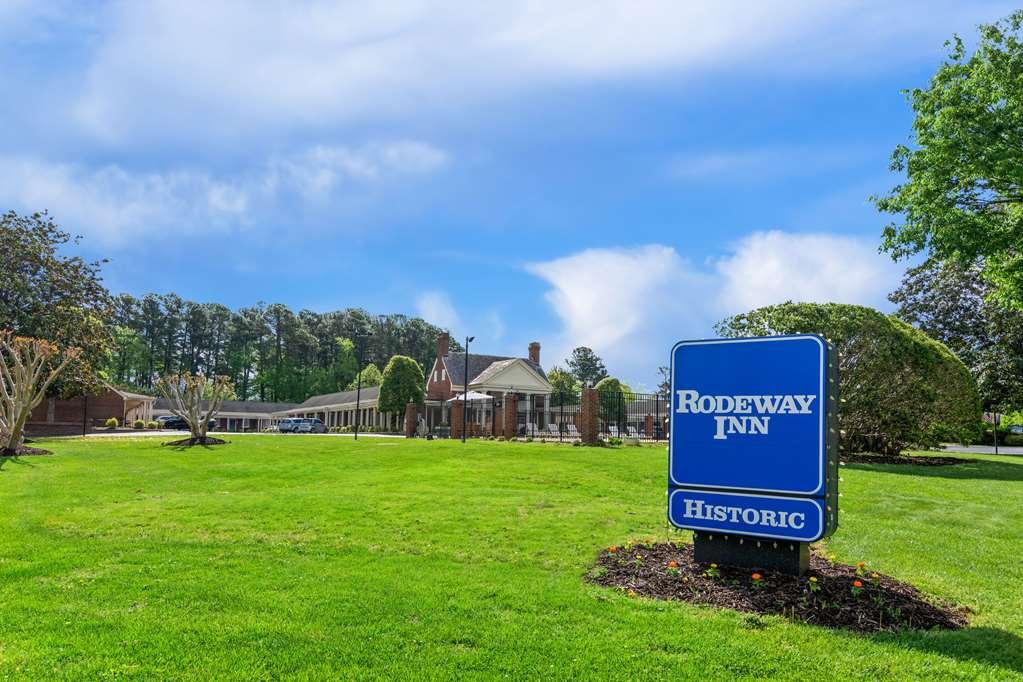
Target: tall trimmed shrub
402, 382
898, 387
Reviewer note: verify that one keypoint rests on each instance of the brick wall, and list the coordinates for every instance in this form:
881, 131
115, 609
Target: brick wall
588, 426
56, 416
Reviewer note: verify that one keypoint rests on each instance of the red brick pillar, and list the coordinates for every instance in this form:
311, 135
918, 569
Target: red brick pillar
588, 416
455, 415
410, 420
511, 415
648, 426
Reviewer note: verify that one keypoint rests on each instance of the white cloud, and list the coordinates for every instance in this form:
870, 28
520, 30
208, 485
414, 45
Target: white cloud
436, 308
195, 69
116, 204
771, 162
631, 304
622, 302
771, 267
318, 171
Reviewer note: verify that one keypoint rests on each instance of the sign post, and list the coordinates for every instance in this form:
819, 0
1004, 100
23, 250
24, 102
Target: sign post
753, 449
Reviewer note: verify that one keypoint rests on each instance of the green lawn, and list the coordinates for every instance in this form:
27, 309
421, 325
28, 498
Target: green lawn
314, 557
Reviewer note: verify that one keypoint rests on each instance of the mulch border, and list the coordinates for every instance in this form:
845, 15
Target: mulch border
193, 442
909, 460
825, 596
26, 451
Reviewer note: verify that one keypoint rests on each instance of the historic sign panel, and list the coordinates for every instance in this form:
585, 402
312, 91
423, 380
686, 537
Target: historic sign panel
753, 444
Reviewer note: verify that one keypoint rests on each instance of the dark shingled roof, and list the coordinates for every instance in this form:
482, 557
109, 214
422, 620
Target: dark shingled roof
244, 406
368, 393
455, 362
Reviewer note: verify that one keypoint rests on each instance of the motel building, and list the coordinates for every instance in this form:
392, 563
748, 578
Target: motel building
238, 416
339, 410
492, 379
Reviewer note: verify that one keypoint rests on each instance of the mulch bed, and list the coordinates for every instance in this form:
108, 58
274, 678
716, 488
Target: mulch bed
882, 605
190, 442
26, 451
912, 460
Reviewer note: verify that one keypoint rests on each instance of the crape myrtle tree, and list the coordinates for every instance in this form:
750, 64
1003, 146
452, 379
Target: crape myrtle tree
898, 387
962, 194
45, 294
28, 367
586, 366
196, 399
402, 383
951, 302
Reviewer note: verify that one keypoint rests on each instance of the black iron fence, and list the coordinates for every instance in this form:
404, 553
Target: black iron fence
622, 414
550, 417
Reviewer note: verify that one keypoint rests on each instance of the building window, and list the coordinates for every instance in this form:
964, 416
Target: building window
443, 375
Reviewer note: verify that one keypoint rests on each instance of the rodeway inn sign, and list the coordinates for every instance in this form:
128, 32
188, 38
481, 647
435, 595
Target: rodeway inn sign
753, 447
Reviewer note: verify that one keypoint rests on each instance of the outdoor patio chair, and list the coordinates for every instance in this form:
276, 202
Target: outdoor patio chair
571, 431
613, 431
552, 430
631, 430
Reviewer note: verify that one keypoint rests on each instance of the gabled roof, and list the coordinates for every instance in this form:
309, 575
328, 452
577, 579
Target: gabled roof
455, 363
368, 393
128, 395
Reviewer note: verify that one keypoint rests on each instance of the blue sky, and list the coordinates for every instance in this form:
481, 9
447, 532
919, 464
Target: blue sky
614, 174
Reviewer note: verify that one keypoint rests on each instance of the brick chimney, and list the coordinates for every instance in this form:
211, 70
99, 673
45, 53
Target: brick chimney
534, 352
442, 344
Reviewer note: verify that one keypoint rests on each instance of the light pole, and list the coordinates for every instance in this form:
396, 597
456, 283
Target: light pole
465, 388
358, 392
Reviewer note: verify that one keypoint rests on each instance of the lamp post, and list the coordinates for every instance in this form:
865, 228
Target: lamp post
358, 392
465, 388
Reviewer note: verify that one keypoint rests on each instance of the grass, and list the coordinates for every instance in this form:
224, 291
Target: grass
313, 557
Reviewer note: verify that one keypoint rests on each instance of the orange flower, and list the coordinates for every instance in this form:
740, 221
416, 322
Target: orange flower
672, 564
612, 549
857, 583
756, 577
861, 564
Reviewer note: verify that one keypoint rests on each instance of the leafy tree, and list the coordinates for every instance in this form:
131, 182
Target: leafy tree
951, 303
402, 382
371, 376
614, 399
664, 387
46, 295
566, 387
963, 194
898, 386
586, 366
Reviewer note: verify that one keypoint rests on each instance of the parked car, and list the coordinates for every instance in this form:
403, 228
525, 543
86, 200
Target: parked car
1016, 428
179, 424
311, 426
289, 425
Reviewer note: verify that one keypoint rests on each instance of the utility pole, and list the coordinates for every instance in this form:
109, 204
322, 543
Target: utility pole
465, 388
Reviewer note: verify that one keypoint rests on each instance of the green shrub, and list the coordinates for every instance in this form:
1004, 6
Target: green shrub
138, 425
898, 387
152, 426
614, 441
111, 423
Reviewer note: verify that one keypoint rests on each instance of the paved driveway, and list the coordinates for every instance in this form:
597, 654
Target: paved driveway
982, 449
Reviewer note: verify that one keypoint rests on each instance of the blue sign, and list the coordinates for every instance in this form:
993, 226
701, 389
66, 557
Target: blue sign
753, 446
768, 516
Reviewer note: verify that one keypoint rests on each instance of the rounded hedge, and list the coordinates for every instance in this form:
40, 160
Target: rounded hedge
898, 387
